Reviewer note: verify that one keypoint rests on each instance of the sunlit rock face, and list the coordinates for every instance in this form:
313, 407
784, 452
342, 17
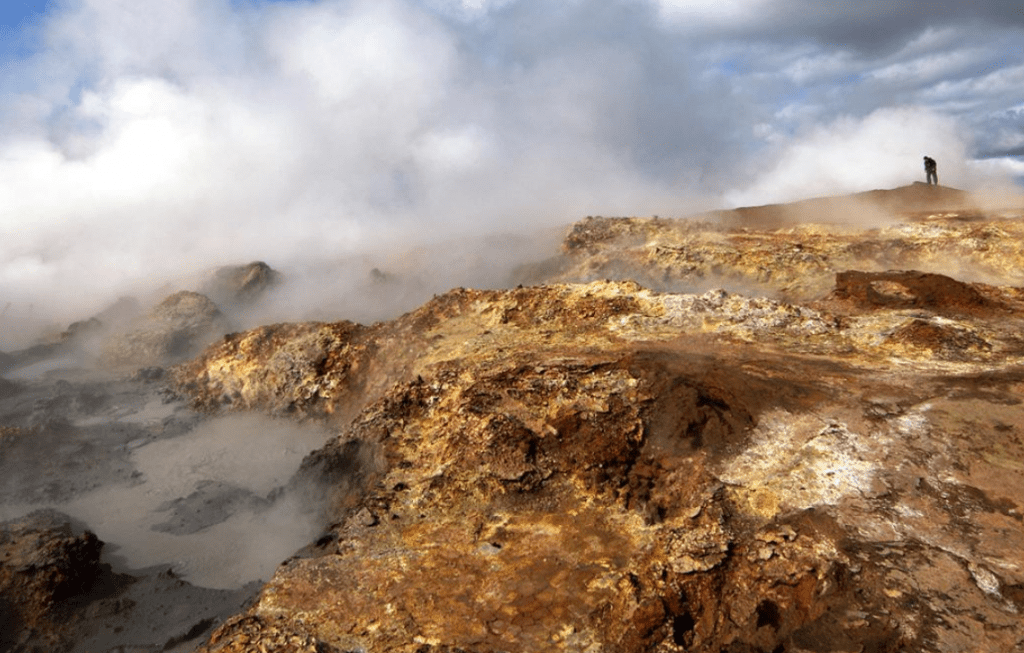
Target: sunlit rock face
826, 456
794, 251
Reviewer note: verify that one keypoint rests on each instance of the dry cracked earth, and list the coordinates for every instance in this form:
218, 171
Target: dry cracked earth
777, 430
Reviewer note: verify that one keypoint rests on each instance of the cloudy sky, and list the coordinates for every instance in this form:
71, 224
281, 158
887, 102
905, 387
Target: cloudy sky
151, 138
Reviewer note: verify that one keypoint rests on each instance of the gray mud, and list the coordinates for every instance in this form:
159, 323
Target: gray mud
191, 508
212, 502
148, 610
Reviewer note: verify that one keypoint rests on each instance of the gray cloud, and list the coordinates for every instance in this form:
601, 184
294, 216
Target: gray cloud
870, 26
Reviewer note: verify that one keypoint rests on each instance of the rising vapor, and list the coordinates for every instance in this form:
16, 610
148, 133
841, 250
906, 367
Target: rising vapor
145, 144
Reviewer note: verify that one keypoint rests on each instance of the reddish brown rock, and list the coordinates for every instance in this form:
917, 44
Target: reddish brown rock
911, 289
43, 564
793, 464
633, 471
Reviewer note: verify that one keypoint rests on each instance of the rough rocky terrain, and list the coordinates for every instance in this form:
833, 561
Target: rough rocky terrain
793, 429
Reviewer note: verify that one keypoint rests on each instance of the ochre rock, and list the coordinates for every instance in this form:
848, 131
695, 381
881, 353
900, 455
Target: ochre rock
601, 467
789, 437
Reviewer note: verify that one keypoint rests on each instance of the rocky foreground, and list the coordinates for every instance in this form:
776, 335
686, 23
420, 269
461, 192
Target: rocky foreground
760, 435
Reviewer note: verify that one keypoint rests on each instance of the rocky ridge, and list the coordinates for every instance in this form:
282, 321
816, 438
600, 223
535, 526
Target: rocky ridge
806, 244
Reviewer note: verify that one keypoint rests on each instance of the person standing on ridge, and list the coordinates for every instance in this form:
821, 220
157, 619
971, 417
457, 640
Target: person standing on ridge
931, 171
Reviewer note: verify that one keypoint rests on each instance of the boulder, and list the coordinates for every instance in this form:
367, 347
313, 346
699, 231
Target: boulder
43, 563
240, 285
176, 329
903, 289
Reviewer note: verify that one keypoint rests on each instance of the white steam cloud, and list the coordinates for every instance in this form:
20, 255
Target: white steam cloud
851, 155
170, 138
144, 143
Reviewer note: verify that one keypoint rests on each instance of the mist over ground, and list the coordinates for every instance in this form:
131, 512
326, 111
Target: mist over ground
212, 503
146, 144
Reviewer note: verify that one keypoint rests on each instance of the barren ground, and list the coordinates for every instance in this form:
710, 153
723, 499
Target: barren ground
793, 428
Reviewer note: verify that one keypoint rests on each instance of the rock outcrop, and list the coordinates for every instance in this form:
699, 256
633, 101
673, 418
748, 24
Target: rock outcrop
601, 467
56, 595
604, 467
240, 285
43, 564
178, 327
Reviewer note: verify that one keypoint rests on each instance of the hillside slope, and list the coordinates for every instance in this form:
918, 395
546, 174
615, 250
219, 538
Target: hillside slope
830, 461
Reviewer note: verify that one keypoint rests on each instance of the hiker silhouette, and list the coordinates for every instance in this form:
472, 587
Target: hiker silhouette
931, 171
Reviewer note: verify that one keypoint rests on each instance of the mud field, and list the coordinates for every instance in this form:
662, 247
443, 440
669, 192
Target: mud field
179, 500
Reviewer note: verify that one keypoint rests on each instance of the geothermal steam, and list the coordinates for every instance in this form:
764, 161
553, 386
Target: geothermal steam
253, 453
141, 146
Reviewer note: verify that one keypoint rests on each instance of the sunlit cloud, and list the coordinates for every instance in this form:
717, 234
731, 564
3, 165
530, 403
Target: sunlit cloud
850, 155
